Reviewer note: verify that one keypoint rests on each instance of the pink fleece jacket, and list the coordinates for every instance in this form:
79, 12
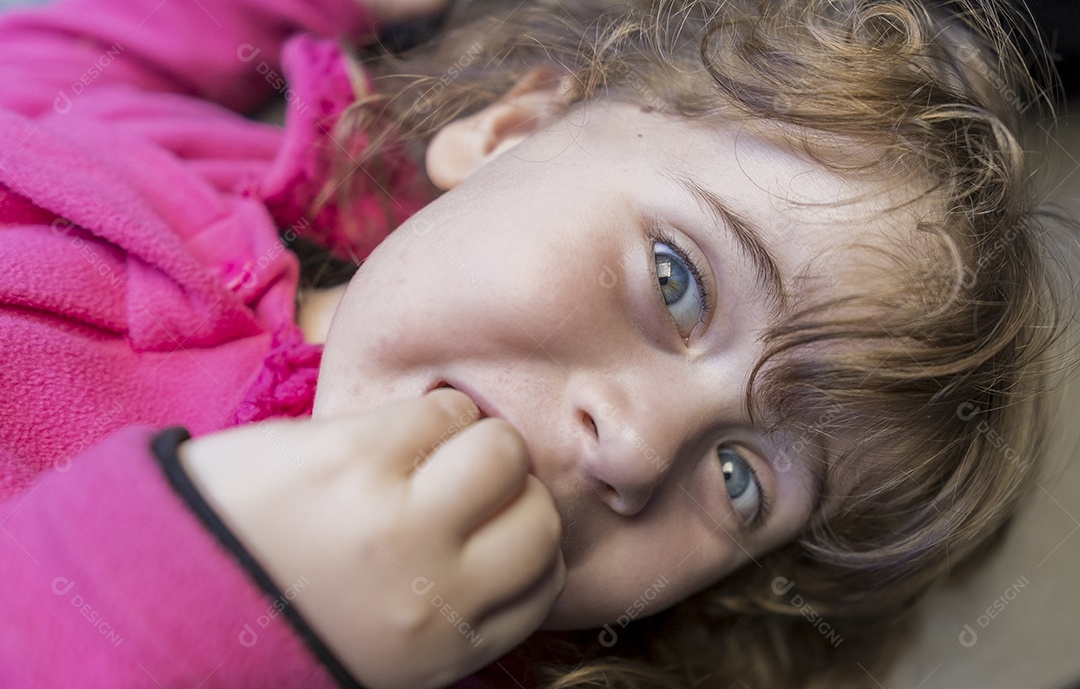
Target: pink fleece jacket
143, 285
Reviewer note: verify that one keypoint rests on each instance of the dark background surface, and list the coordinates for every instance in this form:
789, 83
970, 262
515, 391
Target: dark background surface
1059, 25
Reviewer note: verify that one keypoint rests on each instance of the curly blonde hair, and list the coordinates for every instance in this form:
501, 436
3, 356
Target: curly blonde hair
938, 371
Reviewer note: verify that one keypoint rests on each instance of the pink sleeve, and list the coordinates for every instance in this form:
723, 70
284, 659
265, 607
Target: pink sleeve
226, 51
111, 580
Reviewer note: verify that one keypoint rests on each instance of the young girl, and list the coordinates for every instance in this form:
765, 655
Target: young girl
741, 306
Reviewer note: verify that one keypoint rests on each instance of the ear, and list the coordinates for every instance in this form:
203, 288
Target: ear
465, 145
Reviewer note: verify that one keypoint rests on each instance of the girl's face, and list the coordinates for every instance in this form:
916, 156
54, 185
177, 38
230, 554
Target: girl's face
575, 286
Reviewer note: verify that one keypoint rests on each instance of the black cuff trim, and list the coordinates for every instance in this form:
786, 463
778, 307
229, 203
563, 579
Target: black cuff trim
164, 446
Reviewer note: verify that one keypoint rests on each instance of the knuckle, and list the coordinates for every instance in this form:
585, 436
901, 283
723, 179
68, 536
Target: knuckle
411, 620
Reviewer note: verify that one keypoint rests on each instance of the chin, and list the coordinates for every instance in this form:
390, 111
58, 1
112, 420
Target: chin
566, 616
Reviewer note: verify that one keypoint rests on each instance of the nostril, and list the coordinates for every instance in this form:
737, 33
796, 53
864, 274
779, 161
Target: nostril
590, 424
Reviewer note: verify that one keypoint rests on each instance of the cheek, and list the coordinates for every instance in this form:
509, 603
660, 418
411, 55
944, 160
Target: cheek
595, 596
435, 298
637, 571
485, 287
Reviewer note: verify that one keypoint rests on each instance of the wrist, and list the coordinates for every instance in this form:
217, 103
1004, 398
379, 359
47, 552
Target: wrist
198, 470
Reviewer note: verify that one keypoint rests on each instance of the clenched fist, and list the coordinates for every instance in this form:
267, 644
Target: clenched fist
429, 549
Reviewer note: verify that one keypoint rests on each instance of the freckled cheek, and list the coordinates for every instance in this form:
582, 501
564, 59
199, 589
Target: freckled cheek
441, 298
474, 287
595, 596
380, 324
538, 285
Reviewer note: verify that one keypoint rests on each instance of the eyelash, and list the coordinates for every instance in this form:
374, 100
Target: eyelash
762, 515
656, 234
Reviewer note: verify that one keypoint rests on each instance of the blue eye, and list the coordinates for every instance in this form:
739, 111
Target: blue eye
743, 487
681, 286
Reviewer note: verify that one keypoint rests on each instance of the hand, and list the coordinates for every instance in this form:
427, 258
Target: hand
395, 11
426, 547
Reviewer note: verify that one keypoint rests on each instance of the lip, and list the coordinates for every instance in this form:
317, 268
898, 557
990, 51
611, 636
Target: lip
486, 410
483, 404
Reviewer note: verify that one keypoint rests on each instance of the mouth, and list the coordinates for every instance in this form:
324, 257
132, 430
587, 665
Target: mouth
481, 404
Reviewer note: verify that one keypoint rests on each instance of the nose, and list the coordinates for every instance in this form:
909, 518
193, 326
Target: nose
630, 450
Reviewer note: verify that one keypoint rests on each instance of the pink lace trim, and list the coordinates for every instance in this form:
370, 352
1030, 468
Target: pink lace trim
318, 75
285, 386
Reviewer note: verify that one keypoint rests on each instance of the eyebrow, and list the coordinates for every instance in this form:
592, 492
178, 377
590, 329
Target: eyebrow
748, 236
819, 476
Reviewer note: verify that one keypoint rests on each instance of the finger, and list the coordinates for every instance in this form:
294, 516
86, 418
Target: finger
469, 478
403, 434
517, 619
507, 554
